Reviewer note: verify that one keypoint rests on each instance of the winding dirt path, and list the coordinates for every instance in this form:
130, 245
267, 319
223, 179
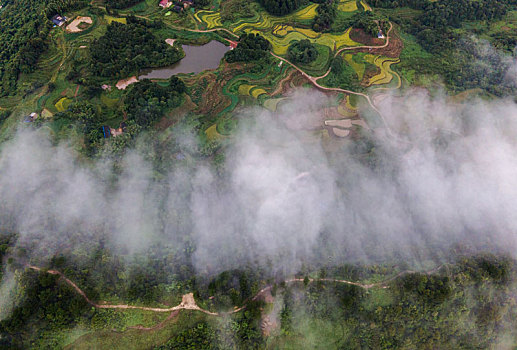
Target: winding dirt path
189, 303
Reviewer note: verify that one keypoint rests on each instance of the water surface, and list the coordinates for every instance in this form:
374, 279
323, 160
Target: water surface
196, 60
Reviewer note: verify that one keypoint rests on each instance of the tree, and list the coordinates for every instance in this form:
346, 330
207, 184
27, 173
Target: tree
302, 51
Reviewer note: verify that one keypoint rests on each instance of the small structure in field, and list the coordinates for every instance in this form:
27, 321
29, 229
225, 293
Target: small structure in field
186, 3
31, 117
106, 131
106, 87
165, 3
121, 129
58, 20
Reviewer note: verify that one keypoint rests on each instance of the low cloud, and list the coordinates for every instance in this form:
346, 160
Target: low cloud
283, 200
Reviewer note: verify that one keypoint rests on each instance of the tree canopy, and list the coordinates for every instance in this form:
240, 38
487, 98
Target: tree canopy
126, 48
251, 47
302, 51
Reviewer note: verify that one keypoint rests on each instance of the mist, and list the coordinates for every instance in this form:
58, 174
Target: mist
283, 199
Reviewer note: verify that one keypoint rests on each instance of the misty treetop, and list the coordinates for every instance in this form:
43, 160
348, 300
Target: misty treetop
126, 48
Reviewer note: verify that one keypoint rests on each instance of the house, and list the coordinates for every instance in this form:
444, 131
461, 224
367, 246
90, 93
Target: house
58, 20
380, 35
186, 3
165, 3
30, 118
177, 8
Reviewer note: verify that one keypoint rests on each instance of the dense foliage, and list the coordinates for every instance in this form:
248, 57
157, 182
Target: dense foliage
146, 101
251, 47
464, 63
125, 49
464, 305
50, 304
302, 51
24, 30
280, 7
326, 14
121, 4
342, 75
369, 22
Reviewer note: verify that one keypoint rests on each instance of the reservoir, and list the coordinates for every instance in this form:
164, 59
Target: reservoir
196, 60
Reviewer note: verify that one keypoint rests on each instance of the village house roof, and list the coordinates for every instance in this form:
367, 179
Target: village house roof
58, 20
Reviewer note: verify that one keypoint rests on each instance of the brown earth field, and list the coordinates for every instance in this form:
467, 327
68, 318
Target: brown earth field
393, 50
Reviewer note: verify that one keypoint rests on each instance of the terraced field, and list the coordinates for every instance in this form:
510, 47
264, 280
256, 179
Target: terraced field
384, 64
281, 31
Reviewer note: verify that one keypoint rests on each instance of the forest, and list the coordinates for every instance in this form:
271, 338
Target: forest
127, 48
251, 47
403, 316
302, 51
146, 101
280, 7
121, 4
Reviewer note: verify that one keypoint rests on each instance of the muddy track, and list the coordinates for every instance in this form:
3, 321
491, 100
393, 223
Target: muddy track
188, 302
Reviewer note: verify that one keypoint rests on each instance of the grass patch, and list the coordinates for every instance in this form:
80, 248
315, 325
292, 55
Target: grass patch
62, 104
111, 19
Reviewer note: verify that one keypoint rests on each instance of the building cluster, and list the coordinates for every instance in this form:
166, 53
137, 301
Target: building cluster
177, 6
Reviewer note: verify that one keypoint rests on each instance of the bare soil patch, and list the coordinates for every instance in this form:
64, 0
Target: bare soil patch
79, 24
393, 49
359, 36
124, 83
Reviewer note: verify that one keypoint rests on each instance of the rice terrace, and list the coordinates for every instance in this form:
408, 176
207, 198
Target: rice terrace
232, 84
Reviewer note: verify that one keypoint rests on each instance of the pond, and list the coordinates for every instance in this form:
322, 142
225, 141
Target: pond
196, 60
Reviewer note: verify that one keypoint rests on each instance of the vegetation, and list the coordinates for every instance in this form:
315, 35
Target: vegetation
467, 304
342, 75
125, 49
369, 22
327, 11
251, 47
121, 4
280, 7
302, 51
146, 101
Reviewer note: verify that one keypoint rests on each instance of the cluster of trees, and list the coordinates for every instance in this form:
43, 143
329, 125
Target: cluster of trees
433, 28
369, 22
462, 64
55, 7
342, 75
416, 311
89, 121
126, 48
145, 101
23, 31
121, 4
302, 51
251, 47
47, 303
280, 7
326, 14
